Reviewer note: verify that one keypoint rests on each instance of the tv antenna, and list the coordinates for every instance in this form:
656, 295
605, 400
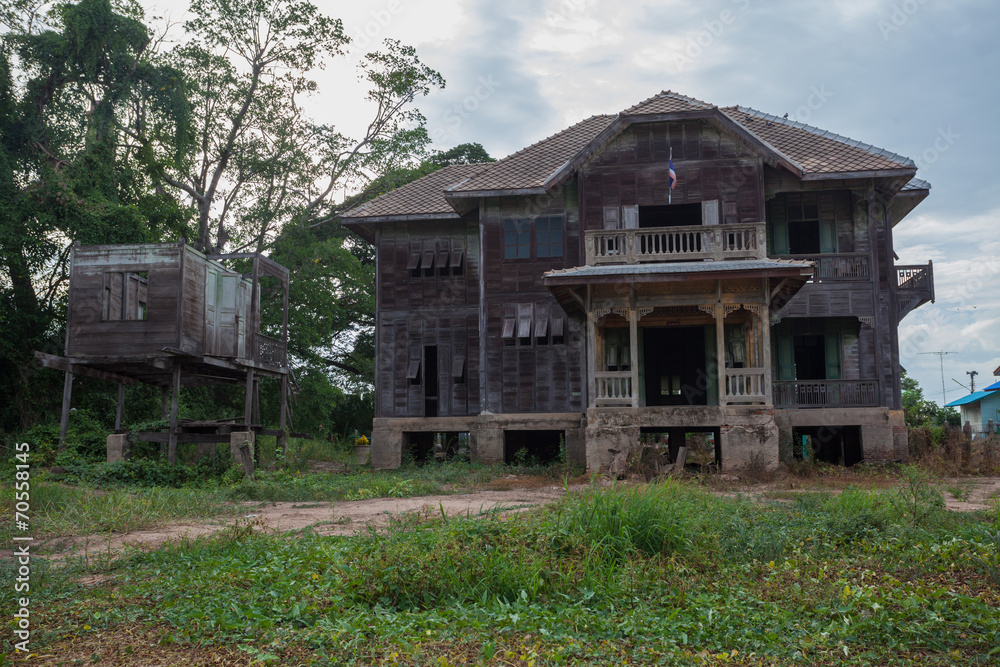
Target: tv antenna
944, 393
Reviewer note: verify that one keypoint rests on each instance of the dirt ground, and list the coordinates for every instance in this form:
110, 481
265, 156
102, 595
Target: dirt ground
345, 518
324, 518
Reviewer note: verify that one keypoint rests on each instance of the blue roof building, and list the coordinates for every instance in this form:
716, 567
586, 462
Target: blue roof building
980, 408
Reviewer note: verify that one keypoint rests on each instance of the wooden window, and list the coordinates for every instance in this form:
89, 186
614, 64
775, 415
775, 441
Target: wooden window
125, 295
457, 254
517, 238
442, 261
549, 236
797, 227
428, 263
541, 329
458, 369
558, 337
413, 372
507, 333
413, 264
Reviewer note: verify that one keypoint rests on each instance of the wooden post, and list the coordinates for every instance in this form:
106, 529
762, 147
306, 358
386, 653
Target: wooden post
248, 402
633, 338
120, 408
164, 403
282, 418
591, 354
720, 342
765, 343
64, 420
175, 400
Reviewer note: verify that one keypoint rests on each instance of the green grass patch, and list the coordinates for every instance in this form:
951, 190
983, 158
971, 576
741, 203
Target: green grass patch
657, 574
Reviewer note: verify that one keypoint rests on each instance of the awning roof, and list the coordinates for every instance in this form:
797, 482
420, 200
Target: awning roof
675, 271
971, 398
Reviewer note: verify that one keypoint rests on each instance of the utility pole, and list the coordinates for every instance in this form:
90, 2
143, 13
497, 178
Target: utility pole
944, 393
972, 380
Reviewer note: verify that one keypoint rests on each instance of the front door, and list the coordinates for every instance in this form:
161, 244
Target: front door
674, 366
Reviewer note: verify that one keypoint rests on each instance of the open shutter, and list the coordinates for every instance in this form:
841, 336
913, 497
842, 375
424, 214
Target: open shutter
611, 217
786, 358
710, 212
458, 367
630, 217
414, 262
833, 356
828, 236
456, 256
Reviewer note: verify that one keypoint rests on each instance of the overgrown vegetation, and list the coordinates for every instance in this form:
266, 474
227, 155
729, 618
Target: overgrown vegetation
655, 574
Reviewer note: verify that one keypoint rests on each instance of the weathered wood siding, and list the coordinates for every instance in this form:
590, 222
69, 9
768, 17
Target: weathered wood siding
710, 165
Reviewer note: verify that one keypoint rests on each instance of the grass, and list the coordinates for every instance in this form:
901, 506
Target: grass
653, 574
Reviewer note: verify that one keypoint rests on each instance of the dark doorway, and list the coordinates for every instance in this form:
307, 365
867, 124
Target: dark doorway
810, 357
675, 366
431, 381
675, 215
423, 447
532, 447
838, 445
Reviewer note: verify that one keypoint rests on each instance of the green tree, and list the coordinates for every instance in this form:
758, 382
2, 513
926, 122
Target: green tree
918, 411
86, 121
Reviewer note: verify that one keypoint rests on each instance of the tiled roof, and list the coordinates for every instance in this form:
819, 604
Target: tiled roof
667, 102
813, 149
916, 184
531, 166
424, 196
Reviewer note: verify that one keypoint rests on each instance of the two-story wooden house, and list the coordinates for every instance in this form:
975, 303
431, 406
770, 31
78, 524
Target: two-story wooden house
567, 295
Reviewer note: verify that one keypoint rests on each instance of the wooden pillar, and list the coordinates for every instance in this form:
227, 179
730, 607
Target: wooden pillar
248, 402
720, 342
633, 341
64, 419
283, 416
175, 400
765, 342
591, 354
120, 409
256, 401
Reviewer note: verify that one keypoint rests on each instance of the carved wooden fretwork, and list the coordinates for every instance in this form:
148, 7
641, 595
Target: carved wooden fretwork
730, 308
710, 309
867, 320
756, 308
642, 312
624, 312
746, 285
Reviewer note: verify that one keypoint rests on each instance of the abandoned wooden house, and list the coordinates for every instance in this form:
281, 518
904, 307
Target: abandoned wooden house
167, 315
676, 268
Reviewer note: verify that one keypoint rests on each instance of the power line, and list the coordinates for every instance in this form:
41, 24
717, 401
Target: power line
944, 392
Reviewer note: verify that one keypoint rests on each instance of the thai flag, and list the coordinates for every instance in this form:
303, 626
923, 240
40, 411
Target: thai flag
672, 176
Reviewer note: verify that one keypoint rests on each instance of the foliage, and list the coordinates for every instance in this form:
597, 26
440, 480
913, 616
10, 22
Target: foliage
920, 412
528, 588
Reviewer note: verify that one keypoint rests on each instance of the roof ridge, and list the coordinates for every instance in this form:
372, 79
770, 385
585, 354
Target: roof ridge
819, 132
673, 95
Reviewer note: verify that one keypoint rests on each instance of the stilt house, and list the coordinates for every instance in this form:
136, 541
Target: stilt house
575, 294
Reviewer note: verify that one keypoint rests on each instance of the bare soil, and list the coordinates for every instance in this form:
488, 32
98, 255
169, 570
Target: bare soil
324, 518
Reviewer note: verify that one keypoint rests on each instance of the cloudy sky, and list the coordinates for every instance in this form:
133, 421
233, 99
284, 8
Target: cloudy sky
917, 77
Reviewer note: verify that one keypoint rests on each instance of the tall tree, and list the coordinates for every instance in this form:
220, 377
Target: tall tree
260, 161
77, 91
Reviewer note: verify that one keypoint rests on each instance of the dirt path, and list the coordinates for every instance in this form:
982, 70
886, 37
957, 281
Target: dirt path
325, 518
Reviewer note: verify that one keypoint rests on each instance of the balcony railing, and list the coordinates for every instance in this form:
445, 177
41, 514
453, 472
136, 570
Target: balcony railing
826, 393
915, 278
671, 244
840, 266
269, 350
746, 385
613, 388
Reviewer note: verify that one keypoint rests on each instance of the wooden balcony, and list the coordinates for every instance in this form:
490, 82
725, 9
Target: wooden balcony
916, 279
268, 350
826, 394
840, 266
613, 388
676, 244
746, 385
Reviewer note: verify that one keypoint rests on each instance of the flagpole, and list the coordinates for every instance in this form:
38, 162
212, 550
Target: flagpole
670, 192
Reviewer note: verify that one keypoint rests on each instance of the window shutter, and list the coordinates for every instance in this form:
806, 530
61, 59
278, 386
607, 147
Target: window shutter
828, 236
413, 370
833, 356
458, 367
630, 217
414, 261
710, 212
611, 217
786, 358
428, 262
456, 256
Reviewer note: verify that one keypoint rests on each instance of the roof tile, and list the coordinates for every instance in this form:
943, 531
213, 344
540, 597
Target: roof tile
425, 196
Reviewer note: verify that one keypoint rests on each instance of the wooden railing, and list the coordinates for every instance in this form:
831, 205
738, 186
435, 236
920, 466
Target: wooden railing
665, 244
915, 278
746, 385
613, 388
269, 350
840, 266
827, 393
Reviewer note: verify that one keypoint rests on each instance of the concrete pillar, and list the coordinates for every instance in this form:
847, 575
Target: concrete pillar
118, 447
877, 443
747, 445
237, 438
602, 439
487, 444
387, 446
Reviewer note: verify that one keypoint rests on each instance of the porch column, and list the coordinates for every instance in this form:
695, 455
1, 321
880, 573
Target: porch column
633, 331
765, 341
591, 357
720, 341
